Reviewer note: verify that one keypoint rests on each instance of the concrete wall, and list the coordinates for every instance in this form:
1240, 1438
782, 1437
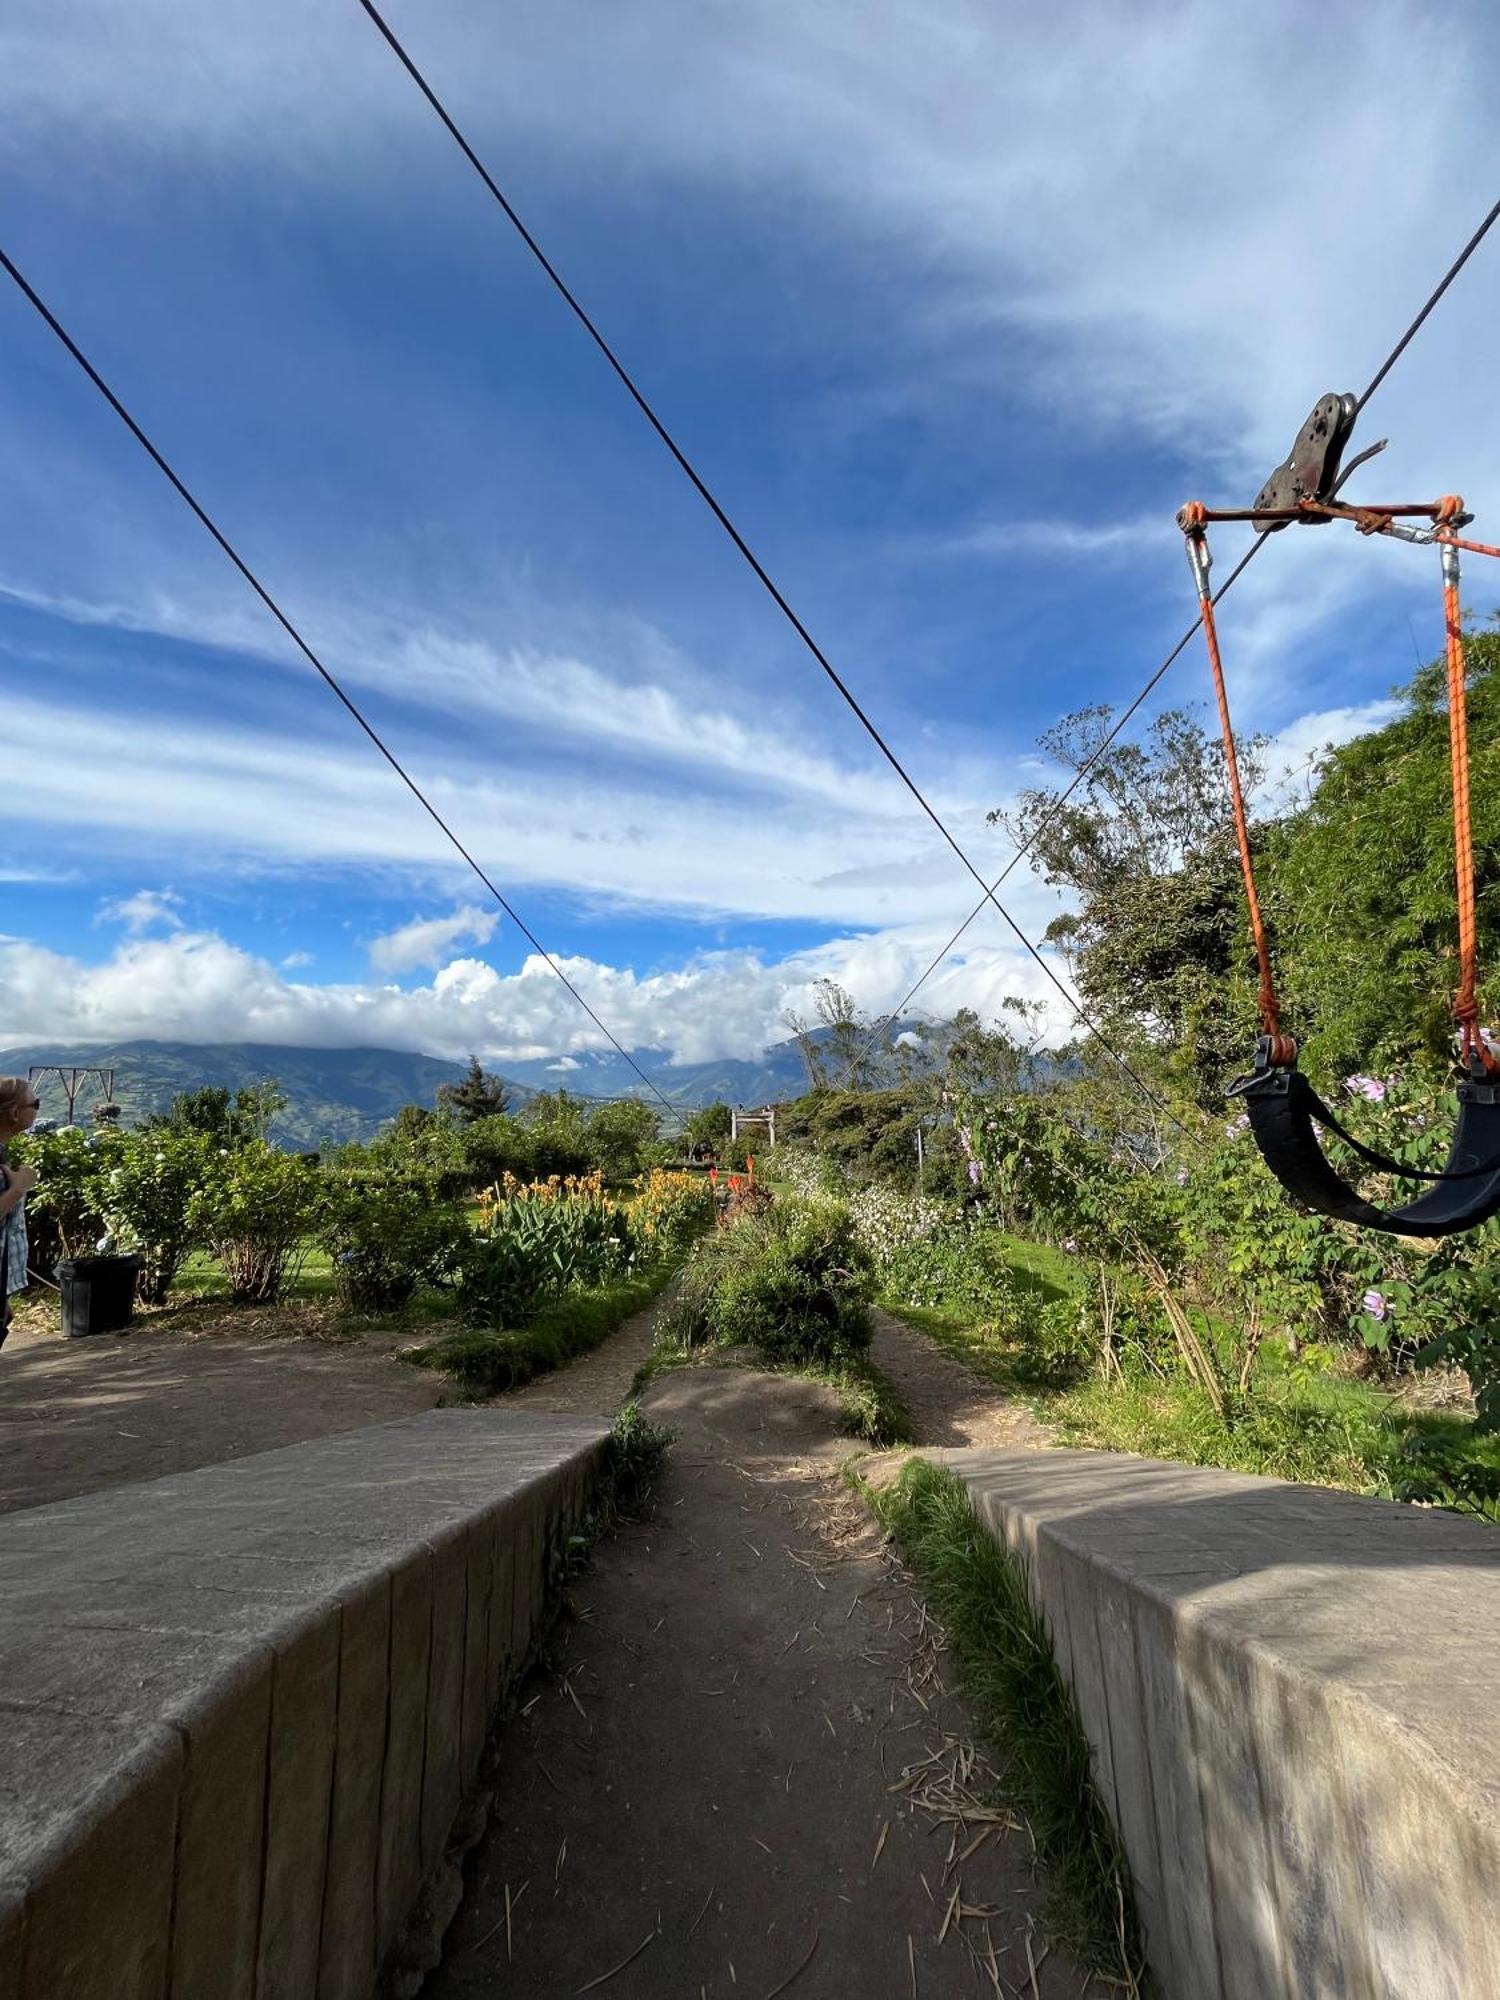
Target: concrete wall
1293, 1702
240, 1707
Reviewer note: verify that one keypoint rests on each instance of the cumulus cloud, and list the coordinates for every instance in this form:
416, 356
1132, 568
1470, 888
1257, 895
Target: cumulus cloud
196, 986
428, 940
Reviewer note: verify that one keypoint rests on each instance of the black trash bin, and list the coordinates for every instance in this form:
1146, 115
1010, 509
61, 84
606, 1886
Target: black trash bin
98, 1293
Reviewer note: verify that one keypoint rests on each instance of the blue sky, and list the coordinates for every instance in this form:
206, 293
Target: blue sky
953, 306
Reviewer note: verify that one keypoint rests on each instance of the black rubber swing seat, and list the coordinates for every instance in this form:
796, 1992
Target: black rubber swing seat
1285, 1111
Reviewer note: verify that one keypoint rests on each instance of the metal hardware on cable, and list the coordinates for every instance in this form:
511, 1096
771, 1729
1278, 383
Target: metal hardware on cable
1282, 1106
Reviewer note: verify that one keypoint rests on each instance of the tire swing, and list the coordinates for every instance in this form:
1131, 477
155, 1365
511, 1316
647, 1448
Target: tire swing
1284, 1110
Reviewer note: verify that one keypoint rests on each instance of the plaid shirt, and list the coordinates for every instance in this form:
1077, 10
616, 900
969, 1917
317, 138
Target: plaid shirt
14, 1248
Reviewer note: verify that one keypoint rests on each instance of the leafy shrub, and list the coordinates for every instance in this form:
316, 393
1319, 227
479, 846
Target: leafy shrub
388, 1235
64, 1209
256, 1212
1054, 1339
485, 1360
620, 1138
147, 1186
793, 1282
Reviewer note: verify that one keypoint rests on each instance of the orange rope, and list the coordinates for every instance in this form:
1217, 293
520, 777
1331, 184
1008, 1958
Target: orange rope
1458, 542
1283, 1048
1466, 1000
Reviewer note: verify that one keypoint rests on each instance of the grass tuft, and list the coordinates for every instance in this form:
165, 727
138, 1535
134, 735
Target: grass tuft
487, 1360
1025, 1709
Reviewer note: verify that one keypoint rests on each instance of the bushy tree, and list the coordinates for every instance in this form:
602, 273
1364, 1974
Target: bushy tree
229, 1119
148, 1184
620, 1138
557, 1126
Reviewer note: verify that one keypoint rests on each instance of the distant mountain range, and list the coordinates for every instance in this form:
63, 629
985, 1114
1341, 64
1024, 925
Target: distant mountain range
335, 1095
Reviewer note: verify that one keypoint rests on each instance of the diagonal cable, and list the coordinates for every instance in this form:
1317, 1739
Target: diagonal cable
1245, 560
757, 567
329, 681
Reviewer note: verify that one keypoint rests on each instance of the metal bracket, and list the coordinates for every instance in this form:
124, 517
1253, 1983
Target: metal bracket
1311, 468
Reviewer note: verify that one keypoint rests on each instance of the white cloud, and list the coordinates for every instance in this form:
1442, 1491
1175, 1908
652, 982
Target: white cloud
1121, 541
427, 940
296, 959
566, 1063
143, 911
230, 799
198, 987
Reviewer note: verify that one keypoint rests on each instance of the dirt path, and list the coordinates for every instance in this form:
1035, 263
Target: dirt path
948, 1405
598, 1383
744, 1756
194, 1388
76, 1415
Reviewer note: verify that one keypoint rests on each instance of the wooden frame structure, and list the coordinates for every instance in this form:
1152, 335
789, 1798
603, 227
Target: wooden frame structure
741, 1120
72, 1077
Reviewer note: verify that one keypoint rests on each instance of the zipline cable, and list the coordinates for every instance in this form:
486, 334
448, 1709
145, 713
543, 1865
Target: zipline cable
329, 681
757, 567
1245, 560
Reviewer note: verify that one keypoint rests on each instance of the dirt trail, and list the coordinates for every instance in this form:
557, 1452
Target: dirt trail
182, 1390
597, 1383
741, 1770
948, 1405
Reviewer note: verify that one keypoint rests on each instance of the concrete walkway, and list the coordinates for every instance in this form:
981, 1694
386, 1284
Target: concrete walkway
744, 1770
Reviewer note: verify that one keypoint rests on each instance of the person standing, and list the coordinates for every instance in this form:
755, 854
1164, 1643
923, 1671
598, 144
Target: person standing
19, 1105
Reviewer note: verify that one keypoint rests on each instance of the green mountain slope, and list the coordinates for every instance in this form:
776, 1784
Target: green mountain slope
334, 1094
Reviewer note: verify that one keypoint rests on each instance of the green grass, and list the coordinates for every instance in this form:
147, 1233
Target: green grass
487, 1360
1056, 1274
977, 1346
1321, 1431
1025, 1710
1318, 1429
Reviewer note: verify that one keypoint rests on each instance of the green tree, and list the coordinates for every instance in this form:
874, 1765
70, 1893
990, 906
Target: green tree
1360, 883
477, 1094
618, 1138
239, 1119
1157, 940
709, 1125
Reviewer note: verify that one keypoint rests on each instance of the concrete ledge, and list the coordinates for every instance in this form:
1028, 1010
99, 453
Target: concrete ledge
1293, 1701
240, 1707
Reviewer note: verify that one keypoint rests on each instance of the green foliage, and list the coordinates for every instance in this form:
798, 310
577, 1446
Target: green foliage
476, 1095
533, 1249
148, 1183
634, 1453
1034, 1735
792, 1281
708, 1126
557, 1128
620, 1137
485, 1360
256, 1212
1360, 881
64, 1207
386, 1236
212, 1112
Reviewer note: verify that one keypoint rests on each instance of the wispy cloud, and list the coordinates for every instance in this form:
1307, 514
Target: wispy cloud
147, 909
430, 940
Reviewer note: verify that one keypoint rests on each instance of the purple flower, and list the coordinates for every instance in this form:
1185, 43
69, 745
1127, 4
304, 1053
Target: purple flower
1375, 1305
1069, 1245
974, 1172
1182, 1176
1237, 1125
1366, 1086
